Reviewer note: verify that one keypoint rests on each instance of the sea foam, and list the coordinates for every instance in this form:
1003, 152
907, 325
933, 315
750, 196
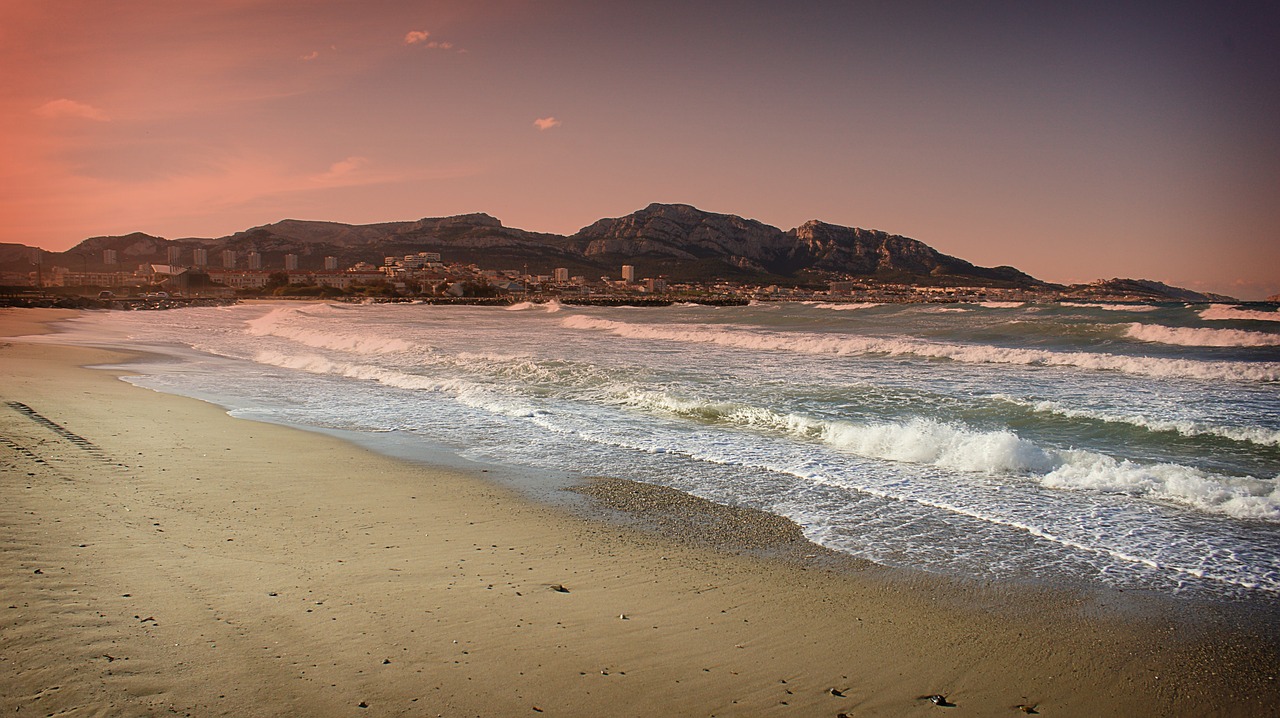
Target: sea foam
1227, 312
1200, 336
845, 345
994, 452
1185, 427
1111, 307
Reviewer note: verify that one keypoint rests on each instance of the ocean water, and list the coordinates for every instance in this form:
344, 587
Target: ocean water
1126, 446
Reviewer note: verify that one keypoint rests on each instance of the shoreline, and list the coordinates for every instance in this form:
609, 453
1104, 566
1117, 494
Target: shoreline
196, 562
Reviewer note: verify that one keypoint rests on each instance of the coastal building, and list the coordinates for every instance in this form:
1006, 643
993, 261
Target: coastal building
228, 259
255, 260
330, 263
290, 262
200, 257
562, 274
175, 256
109, 256
628, 273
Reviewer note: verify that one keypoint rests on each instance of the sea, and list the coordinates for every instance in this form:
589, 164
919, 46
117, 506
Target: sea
1099, 445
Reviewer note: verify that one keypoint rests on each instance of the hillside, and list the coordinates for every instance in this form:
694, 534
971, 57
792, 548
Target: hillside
678, 241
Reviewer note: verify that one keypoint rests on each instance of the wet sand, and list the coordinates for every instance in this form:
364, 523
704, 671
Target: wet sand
161, 557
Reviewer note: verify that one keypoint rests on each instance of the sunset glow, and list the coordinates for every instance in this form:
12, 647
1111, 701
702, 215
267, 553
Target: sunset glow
1074, 144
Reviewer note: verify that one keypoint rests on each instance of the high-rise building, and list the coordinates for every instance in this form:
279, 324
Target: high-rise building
229, 259
290, 262
330, 263
628, 273
200, 257
109, 256
255, 260
175, 256
562, 274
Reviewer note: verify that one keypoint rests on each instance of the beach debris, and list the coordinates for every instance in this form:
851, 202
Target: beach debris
938, 700
362, 704
38, 571
558, 588
623, 617
836, 692
1028, 708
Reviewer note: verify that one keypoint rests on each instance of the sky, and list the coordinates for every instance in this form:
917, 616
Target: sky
1074, 141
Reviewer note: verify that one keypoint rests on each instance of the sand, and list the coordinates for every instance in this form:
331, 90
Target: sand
161, 557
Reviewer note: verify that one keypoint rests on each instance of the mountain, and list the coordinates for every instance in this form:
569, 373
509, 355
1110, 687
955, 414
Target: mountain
678, 241
1140, 290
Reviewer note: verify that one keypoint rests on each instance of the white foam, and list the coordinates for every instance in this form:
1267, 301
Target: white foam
277, 323
844, 345
550, 307
1247, 434
1002, 305
1201, 336
1227, 312
844, 307
1001, 452
1112, 307
1241, 497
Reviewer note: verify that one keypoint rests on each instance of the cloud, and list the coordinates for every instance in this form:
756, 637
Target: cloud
311, 55
413, 37
546, 123
343, 168
71, 108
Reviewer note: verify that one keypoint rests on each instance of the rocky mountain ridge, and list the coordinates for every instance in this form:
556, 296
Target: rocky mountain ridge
678, 241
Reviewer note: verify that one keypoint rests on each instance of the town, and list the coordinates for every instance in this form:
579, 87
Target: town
426, 277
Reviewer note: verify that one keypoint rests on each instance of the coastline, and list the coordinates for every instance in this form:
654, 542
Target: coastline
176, 558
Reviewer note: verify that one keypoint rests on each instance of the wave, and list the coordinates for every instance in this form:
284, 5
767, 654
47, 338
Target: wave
1241, 497
1227, 312
550, 307
1244, 434
1111, 307
952, 446
844, 307
1200, 336
843, 345
1002, 305
275, 324
464, 391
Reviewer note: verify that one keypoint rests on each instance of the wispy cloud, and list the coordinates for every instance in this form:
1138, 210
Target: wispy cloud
342, 169
546, 123
71, 108
311, 55
420, 37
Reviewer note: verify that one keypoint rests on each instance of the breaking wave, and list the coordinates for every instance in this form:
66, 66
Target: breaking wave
1201, 336
274, 323
897, 346
843, 307
1245, 434
957, 447
1111, 307
1226, 312
550, 307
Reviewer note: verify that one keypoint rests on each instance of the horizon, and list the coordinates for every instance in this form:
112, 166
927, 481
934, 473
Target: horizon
1074, 144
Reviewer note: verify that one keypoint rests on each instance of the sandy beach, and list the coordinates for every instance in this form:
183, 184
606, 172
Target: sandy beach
161, 557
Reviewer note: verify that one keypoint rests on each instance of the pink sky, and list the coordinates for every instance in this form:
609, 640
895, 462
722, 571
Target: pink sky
1074, 144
